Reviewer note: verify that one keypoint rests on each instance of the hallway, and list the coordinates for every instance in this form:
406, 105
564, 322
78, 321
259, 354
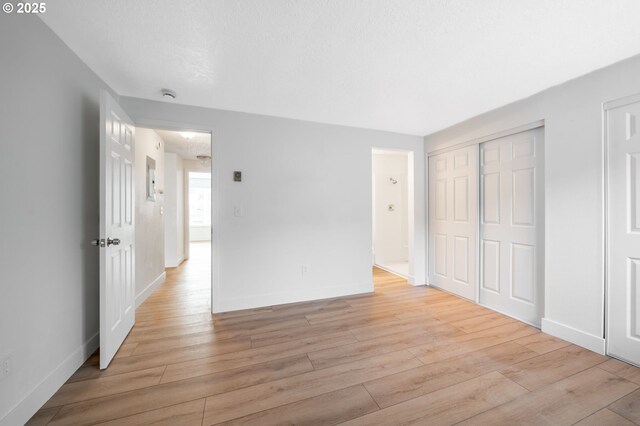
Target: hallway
400, 355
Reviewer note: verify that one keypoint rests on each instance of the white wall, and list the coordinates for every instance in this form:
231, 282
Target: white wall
49, 138
306, 199
391, 227
574, 291
173, 210
149, 215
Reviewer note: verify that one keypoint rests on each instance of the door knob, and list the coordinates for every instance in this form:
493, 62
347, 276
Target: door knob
101, 242
98, 242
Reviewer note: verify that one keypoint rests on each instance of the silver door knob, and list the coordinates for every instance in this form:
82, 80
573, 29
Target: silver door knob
98, 242
113, 242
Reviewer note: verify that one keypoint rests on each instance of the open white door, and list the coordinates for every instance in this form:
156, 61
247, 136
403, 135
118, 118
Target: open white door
117, 228
453, 221
623, 266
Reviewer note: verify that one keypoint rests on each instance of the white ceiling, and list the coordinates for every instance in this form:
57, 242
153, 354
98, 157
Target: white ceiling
411, 66
199, 144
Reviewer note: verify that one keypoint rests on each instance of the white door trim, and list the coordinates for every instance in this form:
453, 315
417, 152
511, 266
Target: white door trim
621, 102
605, 222
487, 138
215, 194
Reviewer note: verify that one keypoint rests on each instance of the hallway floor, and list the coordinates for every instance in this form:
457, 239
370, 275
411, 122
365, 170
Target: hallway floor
398, 268
402, 355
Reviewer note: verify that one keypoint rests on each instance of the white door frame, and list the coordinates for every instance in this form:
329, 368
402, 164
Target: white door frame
454, 146
605, 213
410, 204
215, 183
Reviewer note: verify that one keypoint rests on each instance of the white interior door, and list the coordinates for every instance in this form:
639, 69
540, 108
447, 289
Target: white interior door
453, 221
623, 325
117, 228
512, 225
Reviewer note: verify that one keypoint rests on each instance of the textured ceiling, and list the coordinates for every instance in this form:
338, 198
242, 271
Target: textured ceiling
411, 66
199, 144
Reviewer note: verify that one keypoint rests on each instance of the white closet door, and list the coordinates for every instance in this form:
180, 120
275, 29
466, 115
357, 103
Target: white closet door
512, 225
623, 336
453, 221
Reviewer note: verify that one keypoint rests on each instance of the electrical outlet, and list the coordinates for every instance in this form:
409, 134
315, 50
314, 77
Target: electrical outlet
5, 367
305, 269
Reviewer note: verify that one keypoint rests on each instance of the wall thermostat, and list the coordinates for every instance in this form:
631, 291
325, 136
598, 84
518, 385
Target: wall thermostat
237, 176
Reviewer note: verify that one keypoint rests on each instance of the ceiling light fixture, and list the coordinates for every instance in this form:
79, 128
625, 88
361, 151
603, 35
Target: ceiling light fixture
203, 159
168, 93
187, 135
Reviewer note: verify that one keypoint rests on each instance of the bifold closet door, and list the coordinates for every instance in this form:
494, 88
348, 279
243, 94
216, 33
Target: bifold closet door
512, 225
453, 221
623, 266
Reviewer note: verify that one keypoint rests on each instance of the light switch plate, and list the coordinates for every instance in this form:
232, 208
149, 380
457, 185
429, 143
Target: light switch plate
5, 367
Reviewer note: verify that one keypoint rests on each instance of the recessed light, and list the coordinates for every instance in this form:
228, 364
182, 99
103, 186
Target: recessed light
168, 93
187, 135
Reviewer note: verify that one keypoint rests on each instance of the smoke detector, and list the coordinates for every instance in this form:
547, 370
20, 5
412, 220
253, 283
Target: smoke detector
168, 93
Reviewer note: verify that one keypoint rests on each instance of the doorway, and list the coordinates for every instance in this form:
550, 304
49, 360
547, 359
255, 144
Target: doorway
143, 211
187, 204
392, 210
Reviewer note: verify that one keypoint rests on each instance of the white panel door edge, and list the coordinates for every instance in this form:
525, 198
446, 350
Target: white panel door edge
623, 230
453, 221
117, 227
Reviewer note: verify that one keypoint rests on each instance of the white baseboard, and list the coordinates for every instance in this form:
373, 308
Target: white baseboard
35, 399
140, 298
411, 280
168, 265
290, 297
407, 277
586, 340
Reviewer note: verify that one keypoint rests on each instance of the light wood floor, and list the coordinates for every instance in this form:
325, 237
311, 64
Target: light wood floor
402, 355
